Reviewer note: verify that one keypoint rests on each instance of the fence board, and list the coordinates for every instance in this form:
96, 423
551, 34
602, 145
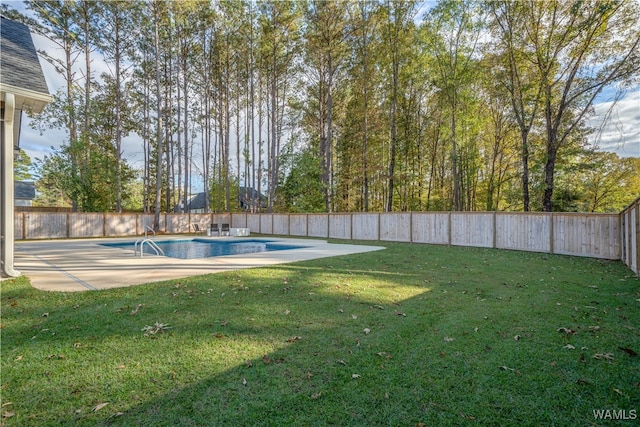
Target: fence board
365, 226
280, 224
298, 224
178, 223
596, 235
239, 220
45, 225
266, 223
86, 225
120, 224
472, 229
523, 231
318, 225
146, 220
253, 222
340, 226
430, 227
395, 227
18, 225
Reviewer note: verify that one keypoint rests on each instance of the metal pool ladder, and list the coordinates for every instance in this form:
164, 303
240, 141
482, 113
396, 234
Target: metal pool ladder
153, 245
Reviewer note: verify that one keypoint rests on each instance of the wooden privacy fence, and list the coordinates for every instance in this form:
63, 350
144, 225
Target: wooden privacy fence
630, 232
607, 236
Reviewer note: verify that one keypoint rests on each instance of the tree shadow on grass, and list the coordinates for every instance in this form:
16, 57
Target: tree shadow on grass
287, 345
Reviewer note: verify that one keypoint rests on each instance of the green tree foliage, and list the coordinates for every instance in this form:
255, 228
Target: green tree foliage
304, 188
337, 106
22, 166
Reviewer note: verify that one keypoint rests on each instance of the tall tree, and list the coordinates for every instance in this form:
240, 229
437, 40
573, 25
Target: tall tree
326, 52
452, 36
516, 76
579, 48
279, 37
115, 40
399, 19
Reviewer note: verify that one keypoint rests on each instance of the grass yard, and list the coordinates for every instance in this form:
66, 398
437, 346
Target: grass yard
411, 335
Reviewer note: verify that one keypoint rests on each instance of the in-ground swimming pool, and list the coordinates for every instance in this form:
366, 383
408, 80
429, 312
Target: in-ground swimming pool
202, 248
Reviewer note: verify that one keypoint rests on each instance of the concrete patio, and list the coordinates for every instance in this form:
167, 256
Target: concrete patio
83, 264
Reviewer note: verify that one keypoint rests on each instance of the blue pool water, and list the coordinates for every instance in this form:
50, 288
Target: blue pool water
201, 248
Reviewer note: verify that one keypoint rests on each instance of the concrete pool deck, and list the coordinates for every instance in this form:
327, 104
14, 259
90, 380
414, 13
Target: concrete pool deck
74, 265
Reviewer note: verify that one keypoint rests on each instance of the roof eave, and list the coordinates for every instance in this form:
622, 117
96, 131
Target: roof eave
26, 99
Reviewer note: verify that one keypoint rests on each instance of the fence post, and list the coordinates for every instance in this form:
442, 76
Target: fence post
637, 239
495, 231
410, 226
551, 238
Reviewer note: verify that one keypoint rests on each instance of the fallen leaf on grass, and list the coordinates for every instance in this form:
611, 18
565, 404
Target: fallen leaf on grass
18, 358
448, 339
569, 346
399, 313
244, 381
354, 376
157, 328
366, 331
566, 331
342, 362
287, 312
581, 381
379, 307
517, 337
384, 354
603, 356
628, 351
55, 356
8, 414
316, 396
294, 339
266, 360
249, 363
99, 406
45, 314
466, 417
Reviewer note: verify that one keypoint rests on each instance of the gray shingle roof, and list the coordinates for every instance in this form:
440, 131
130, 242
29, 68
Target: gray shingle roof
19, 65
24, 190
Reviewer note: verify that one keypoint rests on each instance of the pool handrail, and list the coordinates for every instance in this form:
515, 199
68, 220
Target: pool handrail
157, 249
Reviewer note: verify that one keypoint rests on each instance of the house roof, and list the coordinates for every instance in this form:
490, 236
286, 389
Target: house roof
24, 190
20, 70
196, 202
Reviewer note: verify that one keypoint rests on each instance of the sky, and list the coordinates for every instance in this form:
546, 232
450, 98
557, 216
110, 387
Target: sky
620, 133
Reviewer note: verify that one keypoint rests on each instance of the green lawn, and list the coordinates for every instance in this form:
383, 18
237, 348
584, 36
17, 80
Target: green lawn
410, 335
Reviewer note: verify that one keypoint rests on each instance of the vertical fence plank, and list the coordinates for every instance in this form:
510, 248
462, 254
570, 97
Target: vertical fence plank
298, 224
318, 225
365, 226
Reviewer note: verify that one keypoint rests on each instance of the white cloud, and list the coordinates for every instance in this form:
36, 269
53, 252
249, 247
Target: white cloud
620, 132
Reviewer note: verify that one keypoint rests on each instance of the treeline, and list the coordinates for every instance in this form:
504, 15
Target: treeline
337, 105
